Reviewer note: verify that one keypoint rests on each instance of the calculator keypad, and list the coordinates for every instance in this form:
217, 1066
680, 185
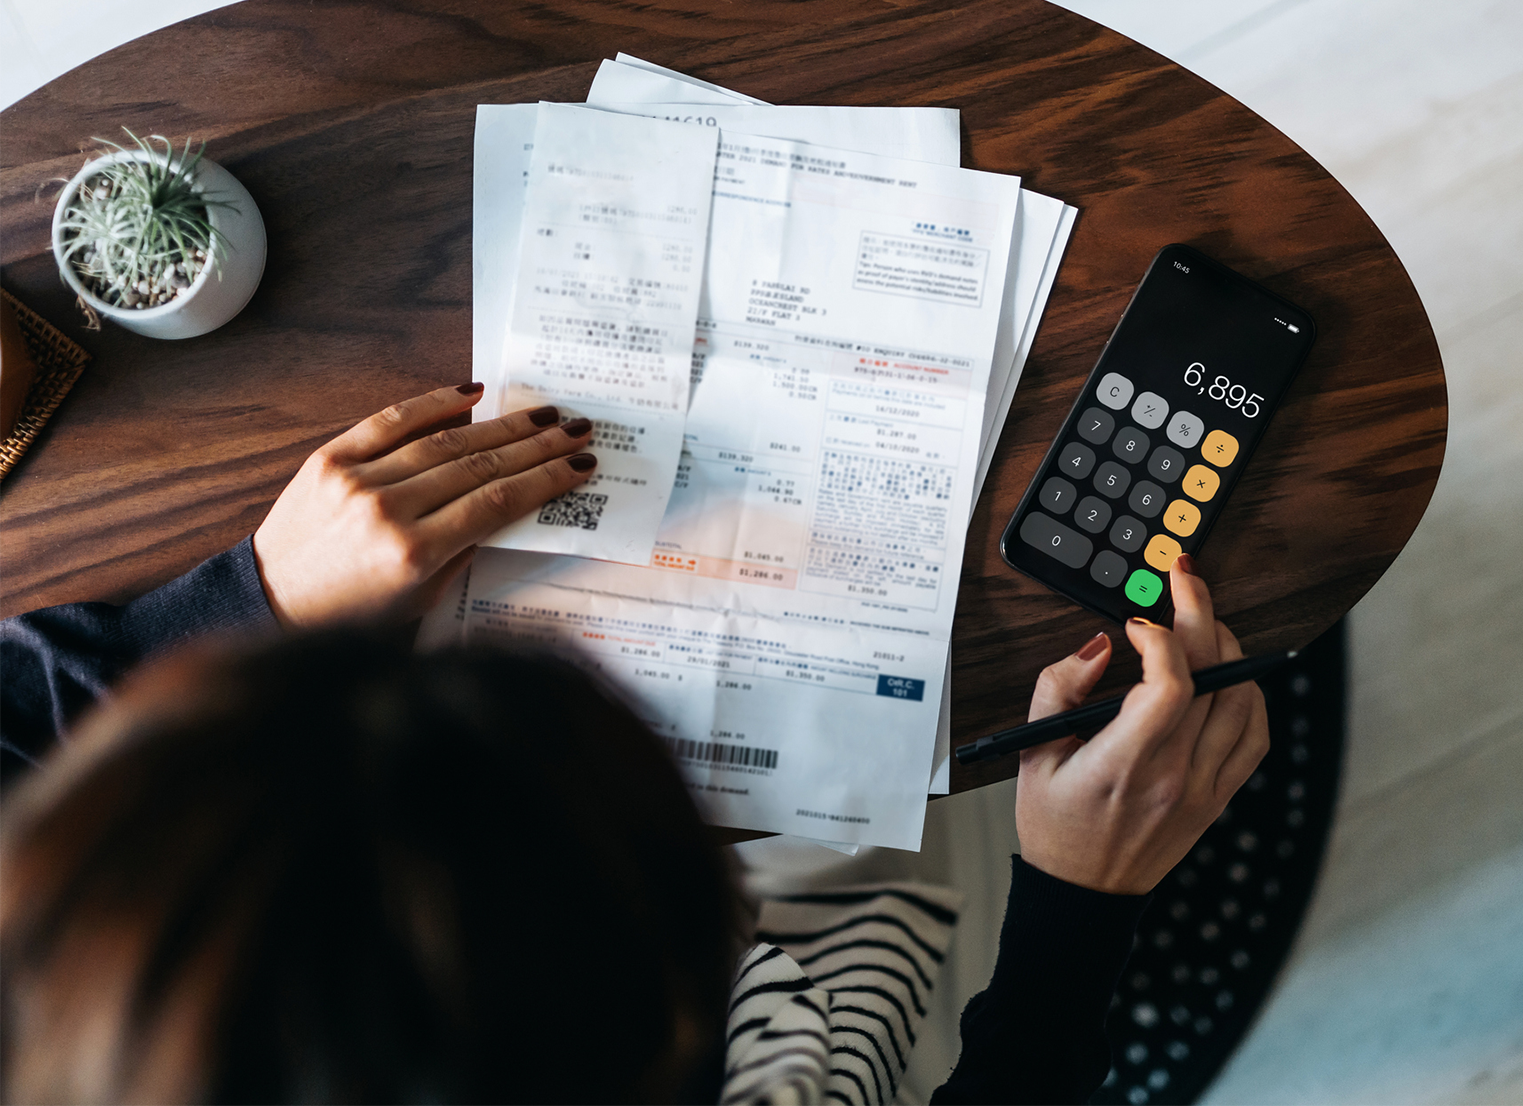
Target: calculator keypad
1119, 500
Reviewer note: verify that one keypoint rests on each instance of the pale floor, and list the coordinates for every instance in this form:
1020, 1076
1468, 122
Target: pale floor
1407, 983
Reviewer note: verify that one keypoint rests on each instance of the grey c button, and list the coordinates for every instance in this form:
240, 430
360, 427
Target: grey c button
1115, 391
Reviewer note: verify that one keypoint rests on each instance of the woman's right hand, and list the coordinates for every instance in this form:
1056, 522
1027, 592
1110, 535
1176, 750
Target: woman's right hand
375, 525
1118, 812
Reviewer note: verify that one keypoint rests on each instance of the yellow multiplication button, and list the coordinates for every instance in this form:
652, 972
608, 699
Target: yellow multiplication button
1220, 448
1181, 517
1161, 552
1200, 483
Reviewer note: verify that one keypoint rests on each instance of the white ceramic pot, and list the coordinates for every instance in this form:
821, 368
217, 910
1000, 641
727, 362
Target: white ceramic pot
214, 298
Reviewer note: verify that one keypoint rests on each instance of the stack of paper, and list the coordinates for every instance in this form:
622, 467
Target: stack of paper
798, 330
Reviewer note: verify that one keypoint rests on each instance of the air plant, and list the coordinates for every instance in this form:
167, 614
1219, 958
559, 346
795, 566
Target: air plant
137, 232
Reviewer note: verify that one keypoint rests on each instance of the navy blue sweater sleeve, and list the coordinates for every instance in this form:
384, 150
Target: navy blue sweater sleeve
57, 661
1037, 1032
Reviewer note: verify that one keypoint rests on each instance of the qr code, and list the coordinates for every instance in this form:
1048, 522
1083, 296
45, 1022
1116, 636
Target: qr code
574, 509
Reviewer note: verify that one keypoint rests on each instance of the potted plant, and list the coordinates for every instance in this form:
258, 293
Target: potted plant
167, 246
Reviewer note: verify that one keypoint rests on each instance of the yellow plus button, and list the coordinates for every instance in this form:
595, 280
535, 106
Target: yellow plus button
1182, 517
1200, 483
1220, 448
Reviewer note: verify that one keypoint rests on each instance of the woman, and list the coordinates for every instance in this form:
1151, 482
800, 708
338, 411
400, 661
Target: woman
330, 870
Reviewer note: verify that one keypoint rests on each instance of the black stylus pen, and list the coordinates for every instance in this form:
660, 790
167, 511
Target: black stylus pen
1098, 714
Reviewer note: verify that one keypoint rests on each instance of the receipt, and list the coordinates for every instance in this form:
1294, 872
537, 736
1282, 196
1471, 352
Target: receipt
789, 634
605, 294
505, 142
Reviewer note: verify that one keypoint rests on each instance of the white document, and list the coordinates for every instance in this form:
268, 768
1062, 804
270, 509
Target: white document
1036, 249
635, 80
609, 270
790, 636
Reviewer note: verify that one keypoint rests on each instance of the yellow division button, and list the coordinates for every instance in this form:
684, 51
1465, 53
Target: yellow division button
1182, 517
1200, 483
1161, 552
1220, 448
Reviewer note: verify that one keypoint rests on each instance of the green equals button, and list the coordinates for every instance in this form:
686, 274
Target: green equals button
1143, 588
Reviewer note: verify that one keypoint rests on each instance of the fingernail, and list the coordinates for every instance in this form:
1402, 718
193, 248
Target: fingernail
576, 428
1141, 622
583, 462
544, 416
470, 389
1186, 564
1093, 647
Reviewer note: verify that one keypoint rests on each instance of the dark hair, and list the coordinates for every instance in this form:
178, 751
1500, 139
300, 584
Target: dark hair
332, 870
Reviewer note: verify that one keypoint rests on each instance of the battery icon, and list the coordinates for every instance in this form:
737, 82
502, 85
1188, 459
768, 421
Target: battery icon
1293, 328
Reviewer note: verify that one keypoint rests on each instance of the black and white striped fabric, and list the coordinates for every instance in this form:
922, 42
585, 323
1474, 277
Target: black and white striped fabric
827, 1005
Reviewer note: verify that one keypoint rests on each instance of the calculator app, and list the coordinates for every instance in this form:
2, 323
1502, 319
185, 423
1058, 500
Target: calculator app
1166, 422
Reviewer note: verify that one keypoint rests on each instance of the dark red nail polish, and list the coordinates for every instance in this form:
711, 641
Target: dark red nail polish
582, 462
1186, 564
544, 416
576, 428
470, 389
1093, 647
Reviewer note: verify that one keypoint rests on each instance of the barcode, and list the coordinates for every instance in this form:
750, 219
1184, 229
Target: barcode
574, 509
745, 756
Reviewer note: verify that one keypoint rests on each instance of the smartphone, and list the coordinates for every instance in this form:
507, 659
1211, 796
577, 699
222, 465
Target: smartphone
1157, 439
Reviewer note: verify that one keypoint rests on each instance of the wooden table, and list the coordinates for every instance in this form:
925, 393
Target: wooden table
351, 124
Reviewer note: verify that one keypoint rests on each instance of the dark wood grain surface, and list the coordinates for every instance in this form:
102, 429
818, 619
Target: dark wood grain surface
351, 124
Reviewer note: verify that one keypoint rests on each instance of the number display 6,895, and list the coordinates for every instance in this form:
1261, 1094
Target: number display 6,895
1233, 395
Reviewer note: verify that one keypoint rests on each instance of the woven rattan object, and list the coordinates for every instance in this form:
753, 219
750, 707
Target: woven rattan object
59, 363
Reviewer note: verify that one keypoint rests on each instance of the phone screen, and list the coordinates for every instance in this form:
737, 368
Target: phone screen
1164, 426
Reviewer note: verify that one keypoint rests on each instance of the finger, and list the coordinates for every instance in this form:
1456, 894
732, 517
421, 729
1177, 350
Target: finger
460, 441
386, 428
1063, 686
431, 490
1194, 617
474, 517
1195, 626
1153, 709
1217, 739
1251, 747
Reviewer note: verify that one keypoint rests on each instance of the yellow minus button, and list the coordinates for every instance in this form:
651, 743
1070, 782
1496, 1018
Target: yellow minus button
1161, 552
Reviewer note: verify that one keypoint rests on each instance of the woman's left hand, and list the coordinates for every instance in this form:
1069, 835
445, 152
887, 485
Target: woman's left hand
374, 526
